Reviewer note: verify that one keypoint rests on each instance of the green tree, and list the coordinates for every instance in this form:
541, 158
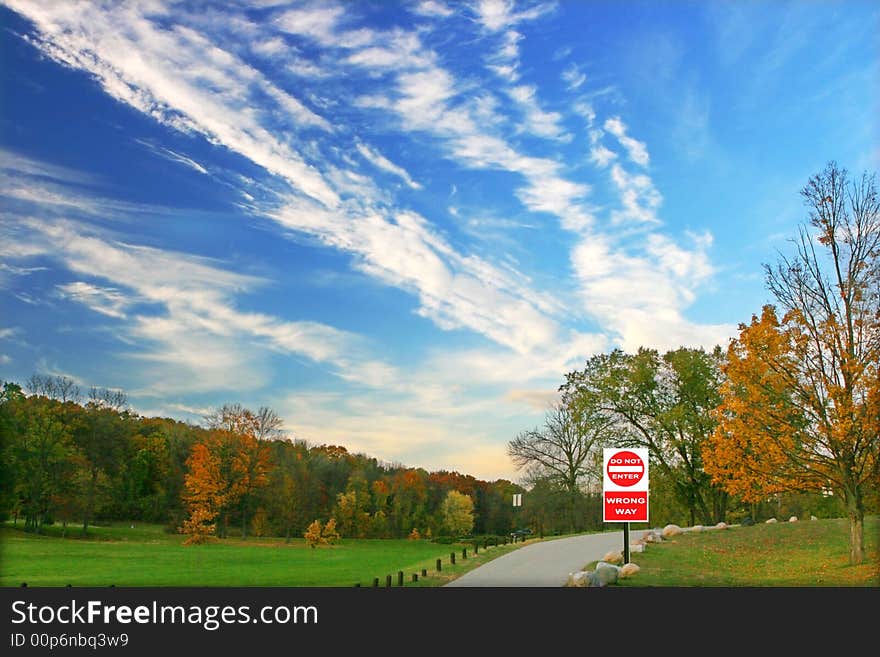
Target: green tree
664, 403
41, 456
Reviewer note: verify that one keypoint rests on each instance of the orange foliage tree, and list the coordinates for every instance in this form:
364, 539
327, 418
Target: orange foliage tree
801, 404
204, 494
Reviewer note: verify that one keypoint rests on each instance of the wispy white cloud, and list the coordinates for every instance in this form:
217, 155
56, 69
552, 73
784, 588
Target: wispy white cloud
382, 162
642, 297
200, 329
574, 77
638, 196
637, 150
496, 15
173, 156
180, 78
538, 122
454, 291
106, 301
432, 8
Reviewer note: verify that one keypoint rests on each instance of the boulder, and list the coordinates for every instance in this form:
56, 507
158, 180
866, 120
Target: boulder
629, 570
671, 530
770, 521
613, 557
793, 519
813, 518
578, 579
652, 537
604, 574
638, 547
721, 525
697, 528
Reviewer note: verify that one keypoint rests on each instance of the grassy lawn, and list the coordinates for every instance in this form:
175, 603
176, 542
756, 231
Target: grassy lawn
144, 555
807, 553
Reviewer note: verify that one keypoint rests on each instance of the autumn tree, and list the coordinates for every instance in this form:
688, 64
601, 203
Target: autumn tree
330, 533
801, 407
458, 513
246, 456
205, 494
314, 534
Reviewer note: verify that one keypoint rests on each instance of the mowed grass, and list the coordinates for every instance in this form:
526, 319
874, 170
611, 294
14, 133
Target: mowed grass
147, 556
784, 554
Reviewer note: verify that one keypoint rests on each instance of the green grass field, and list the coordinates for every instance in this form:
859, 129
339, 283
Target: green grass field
797, 554
147, 556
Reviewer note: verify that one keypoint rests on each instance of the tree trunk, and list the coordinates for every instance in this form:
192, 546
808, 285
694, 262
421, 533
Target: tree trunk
855, 510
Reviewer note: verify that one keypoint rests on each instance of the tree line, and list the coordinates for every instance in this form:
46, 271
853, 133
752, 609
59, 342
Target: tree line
75, 462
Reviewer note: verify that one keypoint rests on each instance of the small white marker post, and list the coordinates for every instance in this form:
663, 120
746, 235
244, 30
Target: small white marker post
517, 502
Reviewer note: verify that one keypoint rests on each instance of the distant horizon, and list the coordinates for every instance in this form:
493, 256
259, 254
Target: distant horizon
399, 225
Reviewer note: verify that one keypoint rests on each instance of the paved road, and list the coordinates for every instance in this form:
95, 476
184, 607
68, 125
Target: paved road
545, 563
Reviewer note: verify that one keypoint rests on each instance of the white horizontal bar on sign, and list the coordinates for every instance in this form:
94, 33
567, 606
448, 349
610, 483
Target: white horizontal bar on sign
625, 468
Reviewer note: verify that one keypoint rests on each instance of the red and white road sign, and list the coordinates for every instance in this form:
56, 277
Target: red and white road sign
625, 485
625, 468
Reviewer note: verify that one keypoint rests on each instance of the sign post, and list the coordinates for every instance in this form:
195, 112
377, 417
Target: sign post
625, 488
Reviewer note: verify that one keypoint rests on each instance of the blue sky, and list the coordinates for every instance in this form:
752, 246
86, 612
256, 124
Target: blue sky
399, 224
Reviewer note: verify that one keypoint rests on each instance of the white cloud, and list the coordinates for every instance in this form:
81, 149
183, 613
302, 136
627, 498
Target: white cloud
601, 156
106, 301
182, 79
573, 77
432, 8
639, 197
640, 299
174, 156
377, 159
496, 15
200, 330
636, 150
538, 121
454, 291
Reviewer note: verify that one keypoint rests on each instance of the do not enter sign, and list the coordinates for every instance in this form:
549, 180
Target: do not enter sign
625, 468
625, 485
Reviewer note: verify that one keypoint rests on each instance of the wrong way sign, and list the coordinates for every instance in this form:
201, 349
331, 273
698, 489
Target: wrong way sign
625, 485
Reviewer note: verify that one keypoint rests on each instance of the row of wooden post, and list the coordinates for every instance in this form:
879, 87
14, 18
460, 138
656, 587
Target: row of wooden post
439, 565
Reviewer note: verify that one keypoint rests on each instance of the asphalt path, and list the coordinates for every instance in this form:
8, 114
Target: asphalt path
546, 563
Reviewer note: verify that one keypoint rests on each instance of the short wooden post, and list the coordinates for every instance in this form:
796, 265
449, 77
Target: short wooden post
476, 548
415, 577
400, 578
452, 558
375, 582
387, 581
424, 572
485, 543
439, 565
464, 553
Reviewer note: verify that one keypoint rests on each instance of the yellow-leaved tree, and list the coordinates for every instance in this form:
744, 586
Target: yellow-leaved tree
800, 404
458, 513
